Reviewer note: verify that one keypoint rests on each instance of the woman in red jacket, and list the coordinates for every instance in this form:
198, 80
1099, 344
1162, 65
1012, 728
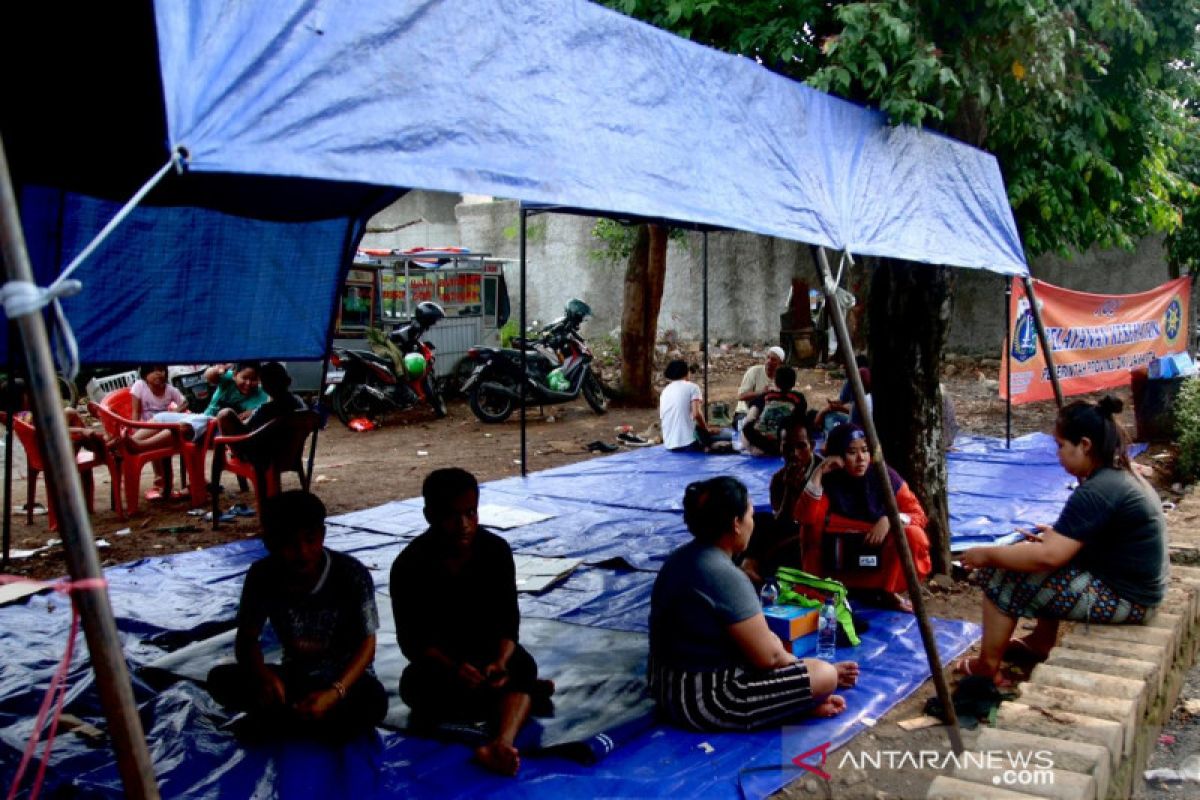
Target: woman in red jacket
840, 496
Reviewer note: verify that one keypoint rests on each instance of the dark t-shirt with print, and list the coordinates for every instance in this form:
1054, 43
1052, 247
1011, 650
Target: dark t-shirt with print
1119, 519
321, 630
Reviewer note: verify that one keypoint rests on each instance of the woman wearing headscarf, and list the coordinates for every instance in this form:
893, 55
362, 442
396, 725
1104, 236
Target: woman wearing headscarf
842, 498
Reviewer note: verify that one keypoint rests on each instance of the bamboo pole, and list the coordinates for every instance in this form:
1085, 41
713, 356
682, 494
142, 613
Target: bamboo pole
1041, 332
896, 533
63, 484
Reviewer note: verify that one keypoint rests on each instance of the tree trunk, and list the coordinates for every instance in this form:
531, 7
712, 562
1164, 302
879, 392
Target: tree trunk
644, 279
909, 313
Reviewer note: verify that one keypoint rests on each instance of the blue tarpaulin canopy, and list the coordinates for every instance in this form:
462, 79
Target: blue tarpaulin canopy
291, 114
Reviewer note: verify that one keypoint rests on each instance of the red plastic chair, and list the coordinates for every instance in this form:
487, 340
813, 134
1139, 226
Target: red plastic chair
85, 462
263, 455
114, 413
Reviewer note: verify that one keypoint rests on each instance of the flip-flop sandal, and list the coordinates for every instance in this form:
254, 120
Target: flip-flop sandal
242, 510
1018, 651
153, 494
962, 668
38, 509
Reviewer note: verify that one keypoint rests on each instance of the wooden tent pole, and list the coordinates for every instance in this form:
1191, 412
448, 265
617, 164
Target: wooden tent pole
896, 533
66, 490
1041, 332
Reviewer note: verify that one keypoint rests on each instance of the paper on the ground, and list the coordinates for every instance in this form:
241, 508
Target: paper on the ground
11, 592
505, 517
538, 573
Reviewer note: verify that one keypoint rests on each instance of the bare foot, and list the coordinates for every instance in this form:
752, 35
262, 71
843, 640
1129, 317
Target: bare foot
830, 707
847, 674
499, 757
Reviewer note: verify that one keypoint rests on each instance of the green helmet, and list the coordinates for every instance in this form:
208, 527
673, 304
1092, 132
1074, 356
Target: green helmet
414, 365
557, 380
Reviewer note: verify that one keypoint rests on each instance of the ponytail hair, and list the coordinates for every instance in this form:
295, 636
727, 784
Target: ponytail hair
1097, 422
710, 507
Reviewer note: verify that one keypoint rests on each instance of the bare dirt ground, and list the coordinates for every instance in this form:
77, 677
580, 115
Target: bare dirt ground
360, 470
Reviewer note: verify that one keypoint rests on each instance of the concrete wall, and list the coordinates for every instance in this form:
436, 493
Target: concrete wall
977, 326
418, 219
749, 276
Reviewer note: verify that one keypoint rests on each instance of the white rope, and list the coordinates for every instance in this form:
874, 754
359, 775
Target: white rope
22, 298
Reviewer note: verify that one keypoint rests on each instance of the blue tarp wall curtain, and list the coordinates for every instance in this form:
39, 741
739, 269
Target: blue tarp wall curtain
294, 114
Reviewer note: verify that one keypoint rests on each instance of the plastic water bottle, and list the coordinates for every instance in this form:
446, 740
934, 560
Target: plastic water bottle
737, 436
827, 626
769, 594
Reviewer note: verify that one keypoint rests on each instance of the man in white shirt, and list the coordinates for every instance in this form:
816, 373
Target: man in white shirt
758, 379
681, 411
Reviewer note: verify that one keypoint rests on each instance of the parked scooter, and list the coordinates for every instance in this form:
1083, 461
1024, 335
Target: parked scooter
558, 364
370, 386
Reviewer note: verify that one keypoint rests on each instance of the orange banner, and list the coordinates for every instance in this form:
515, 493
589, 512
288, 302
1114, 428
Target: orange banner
1095, 338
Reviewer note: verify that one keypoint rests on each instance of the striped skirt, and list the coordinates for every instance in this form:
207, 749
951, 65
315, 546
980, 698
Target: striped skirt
1067, 593
732, 699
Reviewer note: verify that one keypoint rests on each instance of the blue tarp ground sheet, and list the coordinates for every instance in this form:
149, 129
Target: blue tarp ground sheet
597, 503
588, 632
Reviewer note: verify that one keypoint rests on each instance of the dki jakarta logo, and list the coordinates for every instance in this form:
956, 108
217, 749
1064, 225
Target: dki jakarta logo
1024, 336
1173, 319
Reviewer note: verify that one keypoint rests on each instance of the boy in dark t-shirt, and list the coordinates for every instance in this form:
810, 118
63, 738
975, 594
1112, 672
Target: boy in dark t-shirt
771, 411
321, 605
454, 598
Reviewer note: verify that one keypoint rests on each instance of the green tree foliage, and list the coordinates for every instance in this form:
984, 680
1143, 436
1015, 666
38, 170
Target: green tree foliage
1187, 429
1082, 101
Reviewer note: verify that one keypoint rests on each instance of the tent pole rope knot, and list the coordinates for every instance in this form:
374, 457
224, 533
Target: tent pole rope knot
22, 298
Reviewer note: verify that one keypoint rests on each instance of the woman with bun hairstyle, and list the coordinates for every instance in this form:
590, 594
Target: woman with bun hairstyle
842, 496
714, 663
1104, 560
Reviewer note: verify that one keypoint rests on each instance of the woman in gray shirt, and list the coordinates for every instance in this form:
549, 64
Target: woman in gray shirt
714, 663
1104, 560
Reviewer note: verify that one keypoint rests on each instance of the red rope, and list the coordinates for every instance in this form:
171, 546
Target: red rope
57, 691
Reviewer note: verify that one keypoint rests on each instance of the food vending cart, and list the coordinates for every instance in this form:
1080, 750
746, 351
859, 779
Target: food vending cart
384, 286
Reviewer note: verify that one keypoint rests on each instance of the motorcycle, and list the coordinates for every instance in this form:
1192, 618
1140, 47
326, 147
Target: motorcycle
370, 386
558, 365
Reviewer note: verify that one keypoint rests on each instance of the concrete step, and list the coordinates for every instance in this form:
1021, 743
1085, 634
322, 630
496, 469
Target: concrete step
1155, 654
1053, 783
1054, 698
1095, 684
946, 788
1063, 725
1081, 757
1107, 664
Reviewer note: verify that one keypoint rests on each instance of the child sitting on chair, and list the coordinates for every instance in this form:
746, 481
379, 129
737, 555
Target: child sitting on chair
454, 598
277, 383
321, 605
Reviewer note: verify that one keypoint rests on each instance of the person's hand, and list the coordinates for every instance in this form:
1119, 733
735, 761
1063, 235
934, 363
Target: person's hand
315, 705
271, 691
829, 464
975, 558
878, 531
496, 674
1034, 535
471, 677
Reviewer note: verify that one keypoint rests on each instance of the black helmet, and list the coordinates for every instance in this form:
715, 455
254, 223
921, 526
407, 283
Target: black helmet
577, 310
428, 313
